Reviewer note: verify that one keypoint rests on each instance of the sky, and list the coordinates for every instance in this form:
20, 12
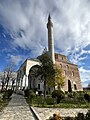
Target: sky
23, 31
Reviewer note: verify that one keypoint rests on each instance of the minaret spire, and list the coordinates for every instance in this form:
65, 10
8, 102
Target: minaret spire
50, 39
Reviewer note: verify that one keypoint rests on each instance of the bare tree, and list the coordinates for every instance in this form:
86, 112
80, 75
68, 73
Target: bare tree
8, 74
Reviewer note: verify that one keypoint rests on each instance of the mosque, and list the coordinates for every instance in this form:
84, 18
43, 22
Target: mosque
70, 71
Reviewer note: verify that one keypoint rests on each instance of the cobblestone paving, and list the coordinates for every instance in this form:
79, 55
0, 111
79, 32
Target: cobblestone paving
17, 109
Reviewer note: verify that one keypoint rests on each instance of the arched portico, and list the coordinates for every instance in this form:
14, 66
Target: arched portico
23, 72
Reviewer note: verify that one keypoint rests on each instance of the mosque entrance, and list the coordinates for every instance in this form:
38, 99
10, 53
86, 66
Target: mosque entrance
69, 86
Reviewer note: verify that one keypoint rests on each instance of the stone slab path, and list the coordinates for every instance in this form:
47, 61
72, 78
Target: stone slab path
17, 109
45, 113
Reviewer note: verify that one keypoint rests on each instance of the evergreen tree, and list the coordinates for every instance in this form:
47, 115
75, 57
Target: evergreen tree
46, 71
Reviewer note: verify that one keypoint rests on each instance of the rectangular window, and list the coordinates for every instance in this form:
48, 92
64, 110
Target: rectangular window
56, 56
38, 86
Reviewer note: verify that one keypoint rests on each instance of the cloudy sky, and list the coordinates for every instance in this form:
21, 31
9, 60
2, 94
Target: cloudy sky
23, 31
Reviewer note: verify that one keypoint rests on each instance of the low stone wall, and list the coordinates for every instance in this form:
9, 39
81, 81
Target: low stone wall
45, 113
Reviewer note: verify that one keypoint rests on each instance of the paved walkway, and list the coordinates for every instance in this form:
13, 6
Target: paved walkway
17, 109
45, 113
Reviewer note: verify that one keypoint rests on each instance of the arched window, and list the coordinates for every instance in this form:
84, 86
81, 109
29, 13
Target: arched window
69, 86
38, 86
72, 73
75, 87
65, 73
67, 66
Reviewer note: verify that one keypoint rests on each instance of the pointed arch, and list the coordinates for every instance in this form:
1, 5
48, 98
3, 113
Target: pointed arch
32, 76
69, 86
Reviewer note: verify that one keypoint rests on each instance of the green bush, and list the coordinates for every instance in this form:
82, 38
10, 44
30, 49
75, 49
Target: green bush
49, 101
7, 94
37, 100
80, 116
72, 94
26, 92
29, 93
77, 97
69, 118
58, 94
87, 97
80, 97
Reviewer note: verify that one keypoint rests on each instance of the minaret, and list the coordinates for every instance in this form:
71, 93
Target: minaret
50, 39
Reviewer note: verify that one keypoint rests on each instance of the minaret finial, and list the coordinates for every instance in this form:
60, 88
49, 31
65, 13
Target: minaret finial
49, 21
49, 17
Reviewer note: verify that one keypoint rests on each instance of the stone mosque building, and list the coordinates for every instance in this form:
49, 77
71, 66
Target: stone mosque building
70, 71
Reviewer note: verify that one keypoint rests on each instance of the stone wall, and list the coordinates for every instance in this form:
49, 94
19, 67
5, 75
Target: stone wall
71, 73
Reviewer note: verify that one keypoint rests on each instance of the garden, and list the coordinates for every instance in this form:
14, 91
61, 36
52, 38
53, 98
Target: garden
59, 99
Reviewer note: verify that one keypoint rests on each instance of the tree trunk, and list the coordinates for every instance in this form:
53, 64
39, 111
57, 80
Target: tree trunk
7, 82
2, 85
7, 86
45, 89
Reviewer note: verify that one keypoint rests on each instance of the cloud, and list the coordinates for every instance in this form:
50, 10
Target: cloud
16, 59
71, 22
80, 57
25, 22
25, 27
85, 76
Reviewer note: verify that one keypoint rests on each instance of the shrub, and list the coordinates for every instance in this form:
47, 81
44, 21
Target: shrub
10, 92
80, 97
29, 93
37, 100
72, 94
87, 97
69, 118
58, 94
77, 97
80, 116
7, 94
49, 101
26, 92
